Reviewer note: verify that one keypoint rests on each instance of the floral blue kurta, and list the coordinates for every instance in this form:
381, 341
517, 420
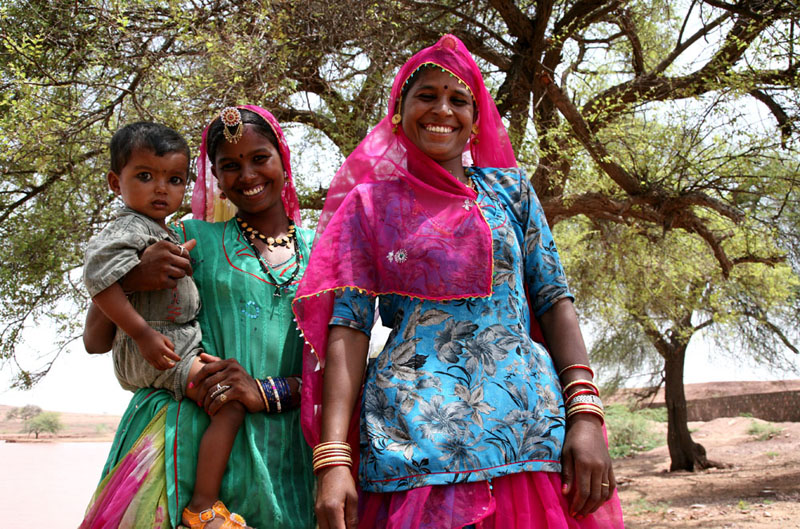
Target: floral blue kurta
461, 392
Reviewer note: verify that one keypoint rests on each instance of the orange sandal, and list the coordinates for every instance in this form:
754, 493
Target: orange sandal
194, 520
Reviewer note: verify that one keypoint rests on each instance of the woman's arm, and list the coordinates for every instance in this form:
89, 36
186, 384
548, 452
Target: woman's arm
99, 331
586, 465
337, 499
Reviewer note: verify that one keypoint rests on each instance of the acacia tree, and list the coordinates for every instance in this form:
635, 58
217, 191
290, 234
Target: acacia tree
581, 83
45, 422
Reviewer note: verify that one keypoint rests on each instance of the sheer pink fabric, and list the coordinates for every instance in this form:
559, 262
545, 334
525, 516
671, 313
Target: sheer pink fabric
389, 197
206, 201
528, 500
418, 209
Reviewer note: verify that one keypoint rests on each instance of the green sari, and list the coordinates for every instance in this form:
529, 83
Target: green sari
269, 479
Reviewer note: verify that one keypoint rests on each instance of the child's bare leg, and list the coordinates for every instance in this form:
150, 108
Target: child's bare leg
215, 449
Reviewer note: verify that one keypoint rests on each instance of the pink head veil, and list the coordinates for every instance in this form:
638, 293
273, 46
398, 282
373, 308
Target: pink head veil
206, 201
395, 221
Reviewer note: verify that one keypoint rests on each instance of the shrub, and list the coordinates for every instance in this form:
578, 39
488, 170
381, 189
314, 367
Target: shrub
631, 431
763, 431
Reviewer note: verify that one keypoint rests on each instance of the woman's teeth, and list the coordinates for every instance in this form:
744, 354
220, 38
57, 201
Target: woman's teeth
252, 191
440, 129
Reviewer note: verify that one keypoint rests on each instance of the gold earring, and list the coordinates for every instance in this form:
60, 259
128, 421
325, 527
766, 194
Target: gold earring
475, 129
396, 119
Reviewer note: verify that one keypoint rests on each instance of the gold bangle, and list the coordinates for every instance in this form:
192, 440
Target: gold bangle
332, 462
263, 395
581, 382
576, 366
333, 444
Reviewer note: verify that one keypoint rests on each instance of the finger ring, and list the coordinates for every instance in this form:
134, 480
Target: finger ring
605, 485
220, 390
223, 397
182, 249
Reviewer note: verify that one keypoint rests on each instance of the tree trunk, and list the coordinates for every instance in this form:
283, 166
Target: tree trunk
684, 453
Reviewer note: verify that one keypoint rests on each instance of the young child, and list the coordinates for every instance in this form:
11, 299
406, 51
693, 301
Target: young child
160, 345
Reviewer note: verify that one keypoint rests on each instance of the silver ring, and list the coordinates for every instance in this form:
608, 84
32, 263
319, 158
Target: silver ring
219, 391
182, 249
218, 387
605, 485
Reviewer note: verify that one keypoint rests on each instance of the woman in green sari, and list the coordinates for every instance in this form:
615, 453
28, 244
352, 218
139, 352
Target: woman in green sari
246, 269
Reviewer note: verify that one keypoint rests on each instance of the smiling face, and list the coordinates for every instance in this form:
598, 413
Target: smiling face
250, 173
150, 184
437, 115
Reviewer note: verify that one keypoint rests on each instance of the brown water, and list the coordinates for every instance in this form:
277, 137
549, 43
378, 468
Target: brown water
48, 484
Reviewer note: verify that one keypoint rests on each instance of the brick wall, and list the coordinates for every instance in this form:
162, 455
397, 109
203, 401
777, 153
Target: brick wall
778, 406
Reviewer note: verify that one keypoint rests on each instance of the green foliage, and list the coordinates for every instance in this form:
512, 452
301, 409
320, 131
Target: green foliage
763, 431
45, 422
643, 506
24, 413
675, 202
631, 431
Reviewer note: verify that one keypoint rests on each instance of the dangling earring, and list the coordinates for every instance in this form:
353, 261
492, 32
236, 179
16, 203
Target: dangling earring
475, 133
395, 122
397, 118
222, 196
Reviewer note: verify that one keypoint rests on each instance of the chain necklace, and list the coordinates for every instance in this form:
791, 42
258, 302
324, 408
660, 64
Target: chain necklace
251, 234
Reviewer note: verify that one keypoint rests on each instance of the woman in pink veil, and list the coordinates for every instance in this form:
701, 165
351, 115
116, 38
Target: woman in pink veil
470, 415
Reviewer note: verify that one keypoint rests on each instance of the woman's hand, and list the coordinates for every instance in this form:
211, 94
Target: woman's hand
337, 499
586, 473
243, 387
160, 266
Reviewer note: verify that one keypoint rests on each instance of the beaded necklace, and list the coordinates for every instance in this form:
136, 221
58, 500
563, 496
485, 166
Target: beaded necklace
271, 242
251, 234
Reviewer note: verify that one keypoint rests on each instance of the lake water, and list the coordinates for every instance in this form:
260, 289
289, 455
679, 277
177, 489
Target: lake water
48, 484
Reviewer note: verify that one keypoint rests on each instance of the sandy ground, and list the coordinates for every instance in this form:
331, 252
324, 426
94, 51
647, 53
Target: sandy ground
759, 488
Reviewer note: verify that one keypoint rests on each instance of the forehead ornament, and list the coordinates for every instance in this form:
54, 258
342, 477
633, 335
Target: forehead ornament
232, 124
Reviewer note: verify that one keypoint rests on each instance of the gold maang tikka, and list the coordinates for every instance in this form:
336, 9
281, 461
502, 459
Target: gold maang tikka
231, 119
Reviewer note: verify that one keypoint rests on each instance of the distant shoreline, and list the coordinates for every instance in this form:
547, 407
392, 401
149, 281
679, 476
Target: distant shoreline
77, 428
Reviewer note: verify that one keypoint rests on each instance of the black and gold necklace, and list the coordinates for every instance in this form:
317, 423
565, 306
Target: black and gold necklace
251, 235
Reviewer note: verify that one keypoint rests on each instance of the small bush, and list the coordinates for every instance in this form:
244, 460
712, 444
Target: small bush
630, 431
763, 431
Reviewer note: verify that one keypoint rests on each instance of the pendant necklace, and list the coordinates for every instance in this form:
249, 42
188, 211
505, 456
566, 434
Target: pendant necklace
252, 234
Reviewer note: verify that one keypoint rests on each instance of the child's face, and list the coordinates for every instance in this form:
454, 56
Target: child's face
150, 184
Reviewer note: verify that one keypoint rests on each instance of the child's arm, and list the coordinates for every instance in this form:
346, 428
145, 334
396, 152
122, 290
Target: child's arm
98, 332
156, 348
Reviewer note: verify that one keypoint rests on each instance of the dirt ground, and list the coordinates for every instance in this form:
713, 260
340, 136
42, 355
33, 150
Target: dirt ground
759, 488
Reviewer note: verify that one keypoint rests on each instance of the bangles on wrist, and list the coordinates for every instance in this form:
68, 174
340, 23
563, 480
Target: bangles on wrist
584, 397
331, 454
276, 394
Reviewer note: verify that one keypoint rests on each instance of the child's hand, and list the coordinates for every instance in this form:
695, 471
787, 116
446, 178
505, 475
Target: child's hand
158, 350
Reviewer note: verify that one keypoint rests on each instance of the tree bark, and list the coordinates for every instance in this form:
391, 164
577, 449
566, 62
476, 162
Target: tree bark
684, 453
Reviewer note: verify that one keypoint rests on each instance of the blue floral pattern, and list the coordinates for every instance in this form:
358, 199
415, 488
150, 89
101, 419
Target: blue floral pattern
460, 391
